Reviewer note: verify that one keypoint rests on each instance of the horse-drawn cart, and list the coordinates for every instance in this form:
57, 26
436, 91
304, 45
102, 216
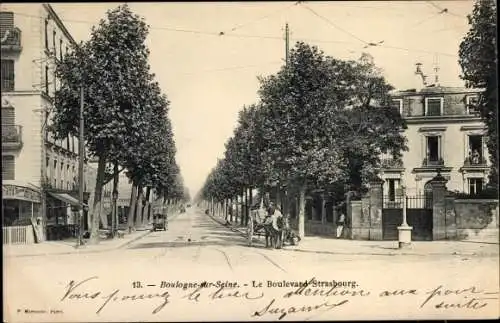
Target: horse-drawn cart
273, 225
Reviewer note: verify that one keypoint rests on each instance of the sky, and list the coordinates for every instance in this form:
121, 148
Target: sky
209, 77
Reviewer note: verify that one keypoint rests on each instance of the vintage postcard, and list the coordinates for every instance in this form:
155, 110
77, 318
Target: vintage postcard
249, 161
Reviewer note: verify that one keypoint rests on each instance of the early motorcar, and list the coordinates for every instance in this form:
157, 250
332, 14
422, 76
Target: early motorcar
160, 222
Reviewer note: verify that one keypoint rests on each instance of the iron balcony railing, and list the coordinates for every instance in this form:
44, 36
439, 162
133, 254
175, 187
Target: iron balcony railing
475, 161
429, 162
12, 136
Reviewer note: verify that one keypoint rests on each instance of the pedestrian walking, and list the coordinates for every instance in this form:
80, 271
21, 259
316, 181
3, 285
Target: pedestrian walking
340, 224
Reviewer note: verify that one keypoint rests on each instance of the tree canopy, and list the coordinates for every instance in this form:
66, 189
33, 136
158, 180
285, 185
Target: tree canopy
125, 112
320, 123
478, 59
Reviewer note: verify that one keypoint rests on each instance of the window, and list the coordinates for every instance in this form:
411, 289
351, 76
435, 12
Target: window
47, 168
6, 22
67, 143
54, 43
61, 174
47, 80
475, 185
433, 149
475, 149
471, 104
7, 75
54, 172
8, 167
398, 105
433, 106
60, 49
47, 33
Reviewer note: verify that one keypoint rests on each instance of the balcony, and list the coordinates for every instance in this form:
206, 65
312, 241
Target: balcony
12, 137
479, 161
428, 162
391, 163
11, 40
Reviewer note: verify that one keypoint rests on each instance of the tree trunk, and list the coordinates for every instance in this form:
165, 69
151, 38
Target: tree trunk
138, 207
302, 204
245, 201
250, 202
242, 208
278, 197
114, 215
145, 207
131, 210
94, 233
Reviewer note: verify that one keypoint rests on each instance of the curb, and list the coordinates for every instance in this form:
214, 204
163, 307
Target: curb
133, 240
392, 253
80, 251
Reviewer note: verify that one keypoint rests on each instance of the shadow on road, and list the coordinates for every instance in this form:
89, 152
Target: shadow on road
186, 244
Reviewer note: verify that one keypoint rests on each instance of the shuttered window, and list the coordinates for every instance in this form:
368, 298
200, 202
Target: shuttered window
60, 49
8, 116
8, 167
6, 22
47, 80
54, 43
7, 75
47, 33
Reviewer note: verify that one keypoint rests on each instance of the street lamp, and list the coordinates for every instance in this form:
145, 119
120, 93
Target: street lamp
404, 231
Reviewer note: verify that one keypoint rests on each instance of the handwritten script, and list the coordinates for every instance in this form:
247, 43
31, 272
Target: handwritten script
307, 298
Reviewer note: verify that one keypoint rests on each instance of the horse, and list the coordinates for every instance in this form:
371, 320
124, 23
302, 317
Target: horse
274, 229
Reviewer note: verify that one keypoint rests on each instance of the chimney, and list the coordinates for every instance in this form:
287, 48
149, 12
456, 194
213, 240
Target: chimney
436, 70
420, 78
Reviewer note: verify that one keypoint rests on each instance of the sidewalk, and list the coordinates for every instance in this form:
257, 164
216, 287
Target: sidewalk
68, 246
327, 245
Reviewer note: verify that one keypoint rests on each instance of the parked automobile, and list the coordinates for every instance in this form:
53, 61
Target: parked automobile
160, 222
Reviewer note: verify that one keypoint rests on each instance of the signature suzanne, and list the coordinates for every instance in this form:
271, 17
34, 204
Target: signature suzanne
271, 308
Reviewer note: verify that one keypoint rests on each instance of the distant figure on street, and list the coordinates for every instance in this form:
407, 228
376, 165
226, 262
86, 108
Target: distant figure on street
340, 224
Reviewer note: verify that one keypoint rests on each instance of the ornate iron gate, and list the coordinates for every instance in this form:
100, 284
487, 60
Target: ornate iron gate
418, 216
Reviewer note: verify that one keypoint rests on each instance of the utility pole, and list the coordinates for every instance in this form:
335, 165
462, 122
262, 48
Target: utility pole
287, 40
81, 149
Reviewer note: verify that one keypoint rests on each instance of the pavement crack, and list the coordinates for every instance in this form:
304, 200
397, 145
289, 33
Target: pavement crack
271, 261
226, 257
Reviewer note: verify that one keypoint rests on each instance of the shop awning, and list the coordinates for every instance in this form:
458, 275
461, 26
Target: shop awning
66, 198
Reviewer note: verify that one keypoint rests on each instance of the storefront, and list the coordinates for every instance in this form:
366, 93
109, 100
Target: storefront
21, 214
62, 215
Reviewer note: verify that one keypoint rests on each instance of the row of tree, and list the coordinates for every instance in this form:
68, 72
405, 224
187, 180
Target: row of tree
127, 127
321, 124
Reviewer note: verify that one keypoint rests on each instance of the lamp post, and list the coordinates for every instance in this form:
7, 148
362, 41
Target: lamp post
404, 230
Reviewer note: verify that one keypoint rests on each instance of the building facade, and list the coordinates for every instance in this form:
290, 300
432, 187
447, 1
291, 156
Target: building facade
39, 173
445, 133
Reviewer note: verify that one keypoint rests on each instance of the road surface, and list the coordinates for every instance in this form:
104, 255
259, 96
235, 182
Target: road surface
200, 270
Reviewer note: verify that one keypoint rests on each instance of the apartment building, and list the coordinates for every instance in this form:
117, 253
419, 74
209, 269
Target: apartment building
445, 134
39, 173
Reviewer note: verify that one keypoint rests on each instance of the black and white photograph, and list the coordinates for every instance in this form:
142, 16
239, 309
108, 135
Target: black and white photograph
249, 161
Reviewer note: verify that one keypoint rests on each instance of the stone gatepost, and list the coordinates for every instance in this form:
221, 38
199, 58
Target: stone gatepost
438, 184
376, 201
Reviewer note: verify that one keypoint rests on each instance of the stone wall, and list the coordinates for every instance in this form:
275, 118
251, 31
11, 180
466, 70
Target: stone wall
319, 228
475, 218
